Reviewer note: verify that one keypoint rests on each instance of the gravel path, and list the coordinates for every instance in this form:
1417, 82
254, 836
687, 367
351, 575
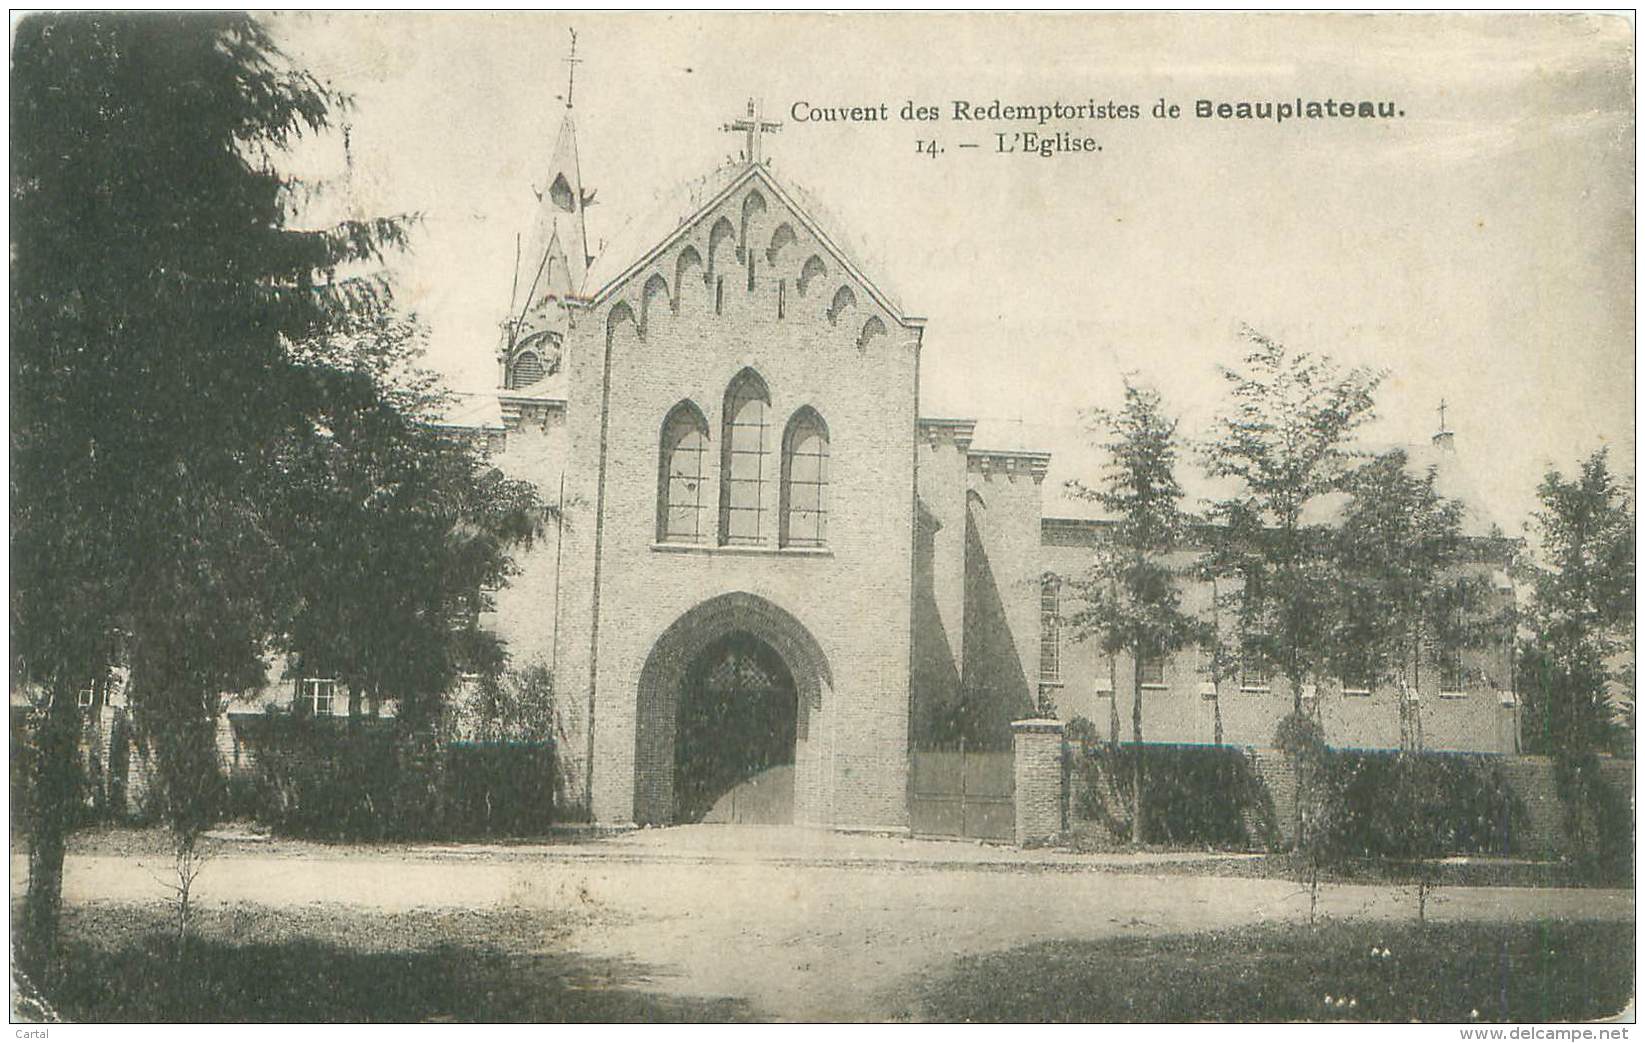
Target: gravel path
823, 928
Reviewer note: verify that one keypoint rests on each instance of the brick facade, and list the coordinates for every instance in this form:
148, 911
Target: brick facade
923, 601
1194, 707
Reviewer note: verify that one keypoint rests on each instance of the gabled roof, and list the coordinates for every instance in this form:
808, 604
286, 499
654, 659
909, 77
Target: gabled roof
677, 213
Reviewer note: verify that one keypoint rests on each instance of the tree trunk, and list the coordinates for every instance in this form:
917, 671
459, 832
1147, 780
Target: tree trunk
1136, 758
1113, 703
53, 812
1304, 773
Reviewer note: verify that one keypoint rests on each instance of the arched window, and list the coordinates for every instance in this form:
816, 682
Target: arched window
682, 473
528, 369
745, 468
805, 481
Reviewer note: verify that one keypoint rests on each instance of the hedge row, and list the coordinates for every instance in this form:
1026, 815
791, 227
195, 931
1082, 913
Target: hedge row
374, 780
1378, 804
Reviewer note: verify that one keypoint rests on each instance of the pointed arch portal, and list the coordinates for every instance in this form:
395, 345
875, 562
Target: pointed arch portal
729, 703
734, 735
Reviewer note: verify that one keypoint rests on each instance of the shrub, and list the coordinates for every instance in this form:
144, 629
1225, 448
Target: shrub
1418, 806
377, 779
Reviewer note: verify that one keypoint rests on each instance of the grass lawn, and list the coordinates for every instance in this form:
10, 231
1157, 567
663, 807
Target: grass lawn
1559, 971
323, 964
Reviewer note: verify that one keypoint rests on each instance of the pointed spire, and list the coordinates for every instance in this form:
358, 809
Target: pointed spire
555, 261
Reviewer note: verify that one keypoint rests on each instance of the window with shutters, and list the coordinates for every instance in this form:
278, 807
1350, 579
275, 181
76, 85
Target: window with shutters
528, 369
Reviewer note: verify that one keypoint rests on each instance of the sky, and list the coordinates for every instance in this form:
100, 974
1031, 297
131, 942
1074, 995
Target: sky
1480, 249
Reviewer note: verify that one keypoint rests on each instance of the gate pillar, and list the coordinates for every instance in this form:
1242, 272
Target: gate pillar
1036, 746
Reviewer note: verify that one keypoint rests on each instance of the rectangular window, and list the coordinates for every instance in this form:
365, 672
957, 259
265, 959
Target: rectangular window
1151, 671
318, 696
1050, 631
1103, 683
1253, 675
85, 697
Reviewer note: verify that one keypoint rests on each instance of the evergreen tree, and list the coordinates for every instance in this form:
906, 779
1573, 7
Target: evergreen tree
156, 285
1131, 598
1577, 666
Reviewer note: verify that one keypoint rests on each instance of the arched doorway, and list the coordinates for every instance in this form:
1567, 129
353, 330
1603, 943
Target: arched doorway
734, 735
733, 696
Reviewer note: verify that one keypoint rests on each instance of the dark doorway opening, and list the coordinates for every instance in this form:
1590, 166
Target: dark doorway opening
734, 744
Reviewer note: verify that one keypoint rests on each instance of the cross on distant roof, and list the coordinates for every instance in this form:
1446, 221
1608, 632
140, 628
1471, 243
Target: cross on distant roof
1442, 415
753, 125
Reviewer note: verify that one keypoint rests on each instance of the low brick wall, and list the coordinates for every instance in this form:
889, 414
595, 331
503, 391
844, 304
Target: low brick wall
1532, 780
1542, 832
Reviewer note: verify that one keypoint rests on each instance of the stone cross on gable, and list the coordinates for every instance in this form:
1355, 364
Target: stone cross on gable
754, 126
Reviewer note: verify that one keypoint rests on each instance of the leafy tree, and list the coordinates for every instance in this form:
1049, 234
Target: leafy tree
1284, 441
515, 705
396, 525
1131, 600
155, 286
1399, 587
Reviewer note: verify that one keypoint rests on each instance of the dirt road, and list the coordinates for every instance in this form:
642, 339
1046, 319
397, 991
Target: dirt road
801, 928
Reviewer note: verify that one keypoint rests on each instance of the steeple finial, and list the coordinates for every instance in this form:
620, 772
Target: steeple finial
1444, 438
571, 62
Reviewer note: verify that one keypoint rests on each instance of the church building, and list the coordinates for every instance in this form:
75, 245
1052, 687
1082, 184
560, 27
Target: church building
774, 577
